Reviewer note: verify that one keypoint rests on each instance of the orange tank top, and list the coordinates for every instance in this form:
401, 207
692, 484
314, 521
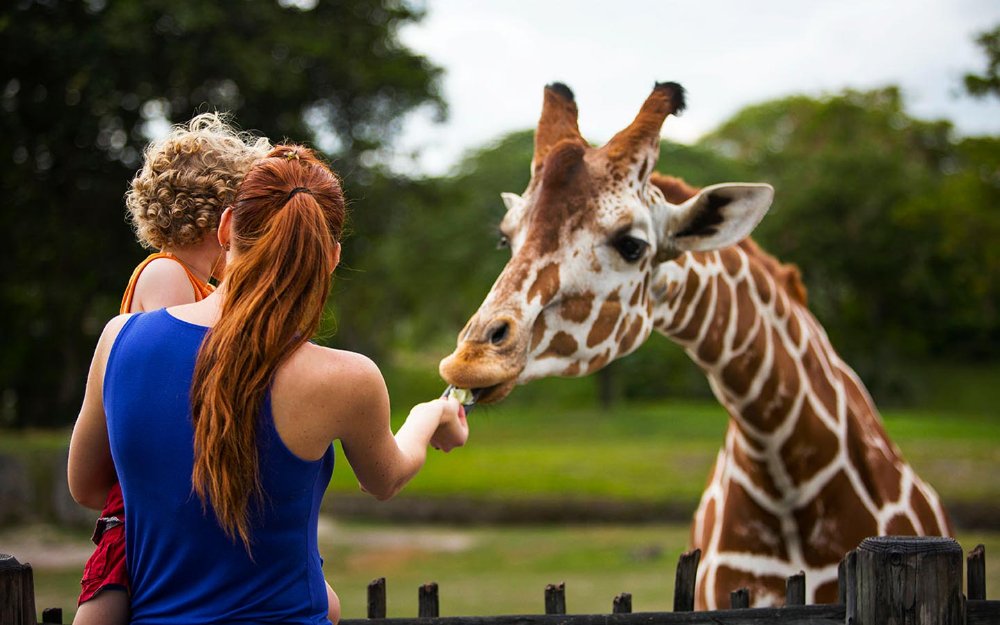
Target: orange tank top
201, 289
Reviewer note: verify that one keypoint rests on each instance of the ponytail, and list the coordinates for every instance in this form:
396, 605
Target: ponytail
287, 216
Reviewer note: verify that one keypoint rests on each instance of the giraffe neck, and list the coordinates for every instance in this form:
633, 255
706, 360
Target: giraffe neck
798, 413
807, 469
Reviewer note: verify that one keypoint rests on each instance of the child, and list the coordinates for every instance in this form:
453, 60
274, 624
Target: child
175, 201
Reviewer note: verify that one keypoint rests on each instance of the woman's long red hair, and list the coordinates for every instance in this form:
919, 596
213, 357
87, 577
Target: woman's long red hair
286, 219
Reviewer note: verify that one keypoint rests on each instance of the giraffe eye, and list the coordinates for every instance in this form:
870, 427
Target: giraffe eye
503, 242
630, 248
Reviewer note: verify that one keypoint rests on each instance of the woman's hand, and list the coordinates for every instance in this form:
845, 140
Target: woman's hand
453, 430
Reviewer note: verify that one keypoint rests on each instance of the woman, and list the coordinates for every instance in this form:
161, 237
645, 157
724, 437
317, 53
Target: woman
219, 417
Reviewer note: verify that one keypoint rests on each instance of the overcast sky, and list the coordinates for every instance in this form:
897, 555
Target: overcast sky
498, 55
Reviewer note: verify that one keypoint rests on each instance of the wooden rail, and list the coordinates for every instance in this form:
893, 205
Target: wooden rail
887, 580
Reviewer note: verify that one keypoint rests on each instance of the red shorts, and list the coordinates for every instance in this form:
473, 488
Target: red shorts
106, 567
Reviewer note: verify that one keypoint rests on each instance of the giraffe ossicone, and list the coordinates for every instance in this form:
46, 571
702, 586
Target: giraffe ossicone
603, 251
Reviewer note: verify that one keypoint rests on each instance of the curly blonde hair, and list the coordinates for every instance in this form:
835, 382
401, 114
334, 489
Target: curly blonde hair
188, 178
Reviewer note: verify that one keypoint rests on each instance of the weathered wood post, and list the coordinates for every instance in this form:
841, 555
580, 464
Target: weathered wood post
17, 592
976, 580
428, 605
376, 598
622, 603
555, 598
739, 598
684, 582
795, 589
908, 580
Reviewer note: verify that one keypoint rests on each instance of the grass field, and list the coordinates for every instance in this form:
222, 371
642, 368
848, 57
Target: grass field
662, 451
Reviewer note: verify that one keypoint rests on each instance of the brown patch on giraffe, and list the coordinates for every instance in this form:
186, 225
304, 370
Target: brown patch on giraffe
686, 298
538, 332
777, 396
512, 279
749, 527
633, 333
741, 369
827, 592
691, 330
562, 344
710, 347
607, 317
546, 284
825, 537
577, 308
864, 437
746, 313
762, 284
794, 329
634, 300
728, 580
598, 361
899, 525
925, 513
809, 448
573, 370
731, 261
756, 471
812, 363
786, 276
780, 305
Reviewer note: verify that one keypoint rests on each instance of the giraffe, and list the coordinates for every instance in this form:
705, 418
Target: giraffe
603, 252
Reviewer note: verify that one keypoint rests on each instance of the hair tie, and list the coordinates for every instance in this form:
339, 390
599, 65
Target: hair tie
293, 192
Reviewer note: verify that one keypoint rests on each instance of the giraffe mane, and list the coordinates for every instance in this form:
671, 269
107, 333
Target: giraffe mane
787, 275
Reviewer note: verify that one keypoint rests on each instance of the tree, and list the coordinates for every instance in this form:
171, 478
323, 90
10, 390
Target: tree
981, 85
82, 83
892, 220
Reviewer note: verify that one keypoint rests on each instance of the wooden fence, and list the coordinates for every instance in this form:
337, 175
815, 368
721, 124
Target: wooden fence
887, 580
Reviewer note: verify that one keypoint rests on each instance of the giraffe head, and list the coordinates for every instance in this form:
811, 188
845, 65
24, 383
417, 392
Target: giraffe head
587, 237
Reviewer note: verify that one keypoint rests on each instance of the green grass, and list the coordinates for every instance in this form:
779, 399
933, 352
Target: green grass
479, 570
663, 451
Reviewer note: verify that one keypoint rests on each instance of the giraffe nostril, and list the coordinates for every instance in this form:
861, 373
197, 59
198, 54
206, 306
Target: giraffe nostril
499, 333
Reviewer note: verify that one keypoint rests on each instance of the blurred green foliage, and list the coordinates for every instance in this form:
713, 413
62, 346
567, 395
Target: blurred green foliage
82, 83
893, 220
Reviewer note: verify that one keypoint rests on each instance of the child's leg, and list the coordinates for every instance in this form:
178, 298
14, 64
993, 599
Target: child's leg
104, 598
333, 600
108, 607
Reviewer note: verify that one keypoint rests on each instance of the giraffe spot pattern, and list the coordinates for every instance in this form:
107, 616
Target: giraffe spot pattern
825, 538
546, 284
561, 345
607, 317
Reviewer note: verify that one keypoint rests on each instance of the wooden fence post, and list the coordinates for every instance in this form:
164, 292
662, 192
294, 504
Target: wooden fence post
739, 599
17, 592
622, 604
555, 598
976, 580
684, 582
851, 587
376, 598
428, 605
795, 589
911, 580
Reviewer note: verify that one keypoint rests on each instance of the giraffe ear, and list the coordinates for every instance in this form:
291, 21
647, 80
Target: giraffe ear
718, 216
510, 200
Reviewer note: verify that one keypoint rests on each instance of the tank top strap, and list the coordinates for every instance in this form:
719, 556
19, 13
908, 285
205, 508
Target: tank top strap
201, 289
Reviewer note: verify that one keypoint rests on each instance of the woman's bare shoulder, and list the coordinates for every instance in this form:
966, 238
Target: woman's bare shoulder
314, 369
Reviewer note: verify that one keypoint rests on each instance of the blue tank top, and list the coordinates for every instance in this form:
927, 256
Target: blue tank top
182, 567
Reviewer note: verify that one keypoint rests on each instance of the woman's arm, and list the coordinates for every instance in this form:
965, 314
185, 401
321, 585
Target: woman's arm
90, 470
383, 462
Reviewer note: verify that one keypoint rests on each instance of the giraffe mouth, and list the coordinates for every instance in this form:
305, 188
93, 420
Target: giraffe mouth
493, 394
